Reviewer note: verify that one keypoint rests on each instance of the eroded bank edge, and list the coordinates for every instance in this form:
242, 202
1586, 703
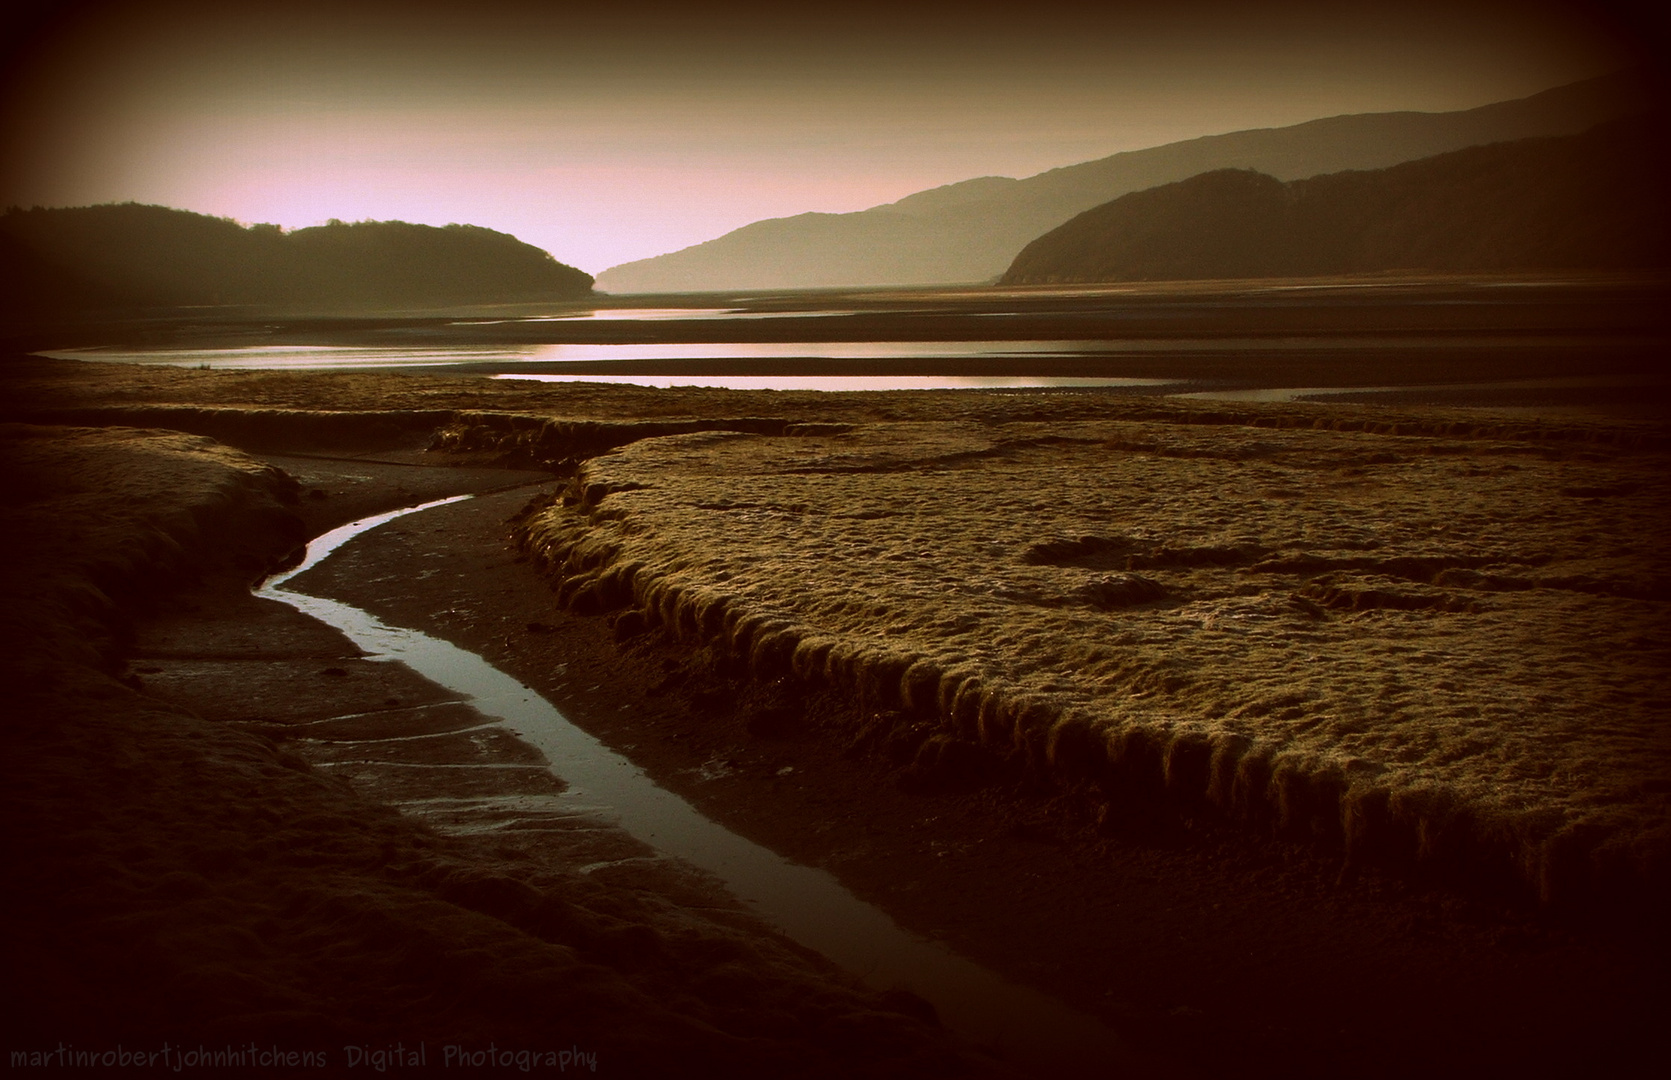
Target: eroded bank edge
1427, 830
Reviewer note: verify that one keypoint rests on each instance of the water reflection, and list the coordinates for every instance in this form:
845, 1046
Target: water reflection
346, 357
1221, 369
613, 314
810, 905
490, 358
301, 357
844, 383
536, 362
567, 352
664, 314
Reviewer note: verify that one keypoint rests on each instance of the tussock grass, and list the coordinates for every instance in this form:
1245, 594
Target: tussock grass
1433, 648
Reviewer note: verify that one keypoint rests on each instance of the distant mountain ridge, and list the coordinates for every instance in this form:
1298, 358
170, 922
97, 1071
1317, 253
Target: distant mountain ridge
971, 231
133, 255
1591, 201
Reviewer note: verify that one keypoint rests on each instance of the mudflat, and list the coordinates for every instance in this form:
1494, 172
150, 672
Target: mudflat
1275, 735
184, 884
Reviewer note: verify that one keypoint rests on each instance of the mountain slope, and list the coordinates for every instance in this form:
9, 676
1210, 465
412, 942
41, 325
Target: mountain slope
1594, 200
135, 255
970, 231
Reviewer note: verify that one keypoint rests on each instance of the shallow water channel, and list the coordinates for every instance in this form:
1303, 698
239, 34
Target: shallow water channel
1032, 1031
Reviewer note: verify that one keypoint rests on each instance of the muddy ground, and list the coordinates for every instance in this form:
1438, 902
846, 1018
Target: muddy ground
1202, 944
178, 881
1208, 945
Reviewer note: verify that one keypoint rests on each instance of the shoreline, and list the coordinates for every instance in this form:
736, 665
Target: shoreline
1176, 977
1145, 868
175, 868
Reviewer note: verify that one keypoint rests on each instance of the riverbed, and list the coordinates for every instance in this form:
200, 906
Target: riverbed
809, 904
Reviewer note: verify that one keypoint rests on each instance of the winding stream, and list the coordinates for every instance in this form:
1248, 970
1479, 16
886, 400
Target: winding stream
1031, 1030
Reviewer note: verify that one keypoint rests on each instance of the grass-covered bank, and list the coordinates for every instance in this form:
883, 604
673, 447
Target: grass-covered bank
1197, 937
1431, 638
1435, 647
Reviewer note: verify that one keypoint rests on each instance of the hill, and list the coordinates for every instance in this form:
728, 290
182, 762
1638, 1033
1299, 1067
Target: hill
1586, 201
131, 255
971, 231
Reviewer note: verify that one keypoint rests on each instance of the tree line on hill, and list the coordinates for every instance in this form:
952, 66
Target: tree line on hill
132, 255
1591, 201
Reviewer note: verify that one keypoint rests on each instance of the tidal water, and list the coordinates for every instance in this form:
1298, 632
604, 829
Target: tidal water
1033, 1031
545, 362
1480, 339
716, 365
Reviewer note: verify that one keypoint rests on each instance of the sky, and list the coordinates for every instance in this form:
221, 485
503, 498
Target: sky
605, 136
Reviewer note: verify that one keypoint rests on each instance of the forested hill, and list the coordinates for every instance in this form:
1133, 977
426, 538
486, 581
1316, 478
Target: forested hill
1591, 201
131, 255
970, 231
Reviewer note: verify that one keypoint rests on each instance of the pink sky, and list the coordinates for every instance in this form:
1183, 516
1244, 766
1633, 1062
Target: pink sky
608, 137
